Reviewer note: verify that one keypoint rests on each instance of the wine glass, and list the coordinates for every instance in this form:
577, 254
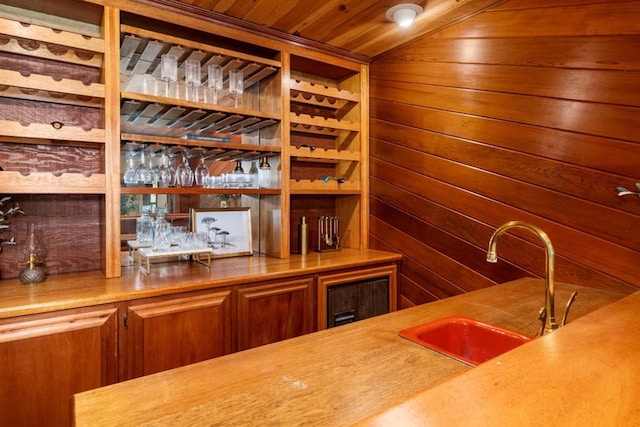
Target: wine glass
184, 174
236, 86
214, 83
166, 173
144, 174
130, 178
202, 172
192, 79
168, 72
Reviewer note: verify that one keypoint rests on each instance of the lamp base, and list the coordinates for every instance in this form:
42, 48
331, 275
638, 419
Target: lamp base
30, 276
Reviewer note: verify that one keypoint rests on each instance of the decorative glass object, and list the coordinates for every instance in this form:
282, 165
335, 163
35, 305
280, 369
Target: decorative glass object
33, 273
161, 233
144, 226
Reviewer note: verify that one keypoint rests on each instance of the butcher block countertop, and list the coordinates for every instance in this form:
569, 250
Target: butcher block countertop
356, 372
587, 374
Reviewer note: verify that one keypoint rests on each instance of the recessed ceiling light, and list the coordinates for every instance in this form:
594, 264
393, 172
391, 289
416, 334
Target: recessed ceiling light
404, 14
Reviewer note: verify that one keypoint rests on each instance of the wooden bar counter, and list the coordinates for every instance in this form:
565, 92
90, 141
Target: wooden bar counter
91, 288
344, 375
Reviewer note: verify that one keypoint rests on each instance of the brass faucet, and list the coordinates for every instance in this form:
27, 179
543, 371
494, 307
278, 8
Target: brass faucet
547, 313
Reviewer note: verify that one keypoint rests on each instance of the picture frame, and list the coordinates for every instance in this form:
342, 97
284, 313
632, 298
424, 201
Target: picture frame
228, 230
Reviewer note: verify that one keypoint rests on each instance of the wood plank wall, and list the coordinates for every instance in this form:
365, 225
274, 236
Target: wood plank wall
529, 111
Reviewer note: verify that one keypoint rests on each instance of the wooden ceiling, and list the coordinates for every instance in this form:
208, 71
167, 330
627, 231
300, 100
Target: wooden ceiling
356, 26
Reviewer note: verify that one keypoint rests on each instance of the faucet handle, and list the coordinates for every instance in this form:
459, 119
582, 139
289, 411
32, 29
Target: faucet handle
572, 298
542, 317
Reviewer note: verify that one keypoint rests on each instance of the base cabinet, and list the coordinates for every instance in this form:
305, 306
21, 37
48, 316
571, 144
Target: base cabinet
46, 359
168, 333
274, 312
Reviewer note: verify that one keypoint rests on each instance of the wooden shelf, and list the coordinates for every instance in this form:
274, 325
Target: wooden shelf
49, 132
48, 183
308, 154
154, 115
37, 82
317, 125
140, 52
49, 36
321, 187
325, 95
142, 140
198, 190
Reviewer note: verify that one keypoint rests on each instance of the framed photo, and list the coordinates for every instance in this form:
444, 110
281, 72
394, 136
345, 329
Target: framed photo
228, 230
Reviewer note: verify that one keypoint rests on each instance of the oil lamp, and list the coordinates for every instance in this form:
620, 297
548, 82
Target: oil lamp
33, 272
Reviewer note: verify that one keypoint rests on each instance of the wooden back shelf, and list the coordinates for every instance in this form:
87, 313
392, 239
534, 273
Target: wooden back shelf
79, 87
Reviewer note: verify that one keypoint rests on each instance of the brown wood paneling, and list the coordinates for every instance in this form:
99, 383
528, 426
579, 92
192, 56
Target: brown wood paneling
522, 18
527, 111
465, 226
614, 121
591, 53
65, 227
599, 153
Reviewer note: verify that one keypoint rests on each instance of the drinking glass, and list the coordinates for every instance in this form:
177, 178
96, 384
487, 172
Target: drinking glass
214, 83
168, 72
130, 178
149, 85
184, 174
166, 173
192, 79
202, 172
236, 86
144, 174
177, 235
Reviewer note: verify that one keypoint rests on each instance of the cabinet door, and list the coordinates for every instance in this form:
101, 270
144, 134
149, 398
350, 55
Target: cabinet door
274, 312
359, 294
45, 360
174, 332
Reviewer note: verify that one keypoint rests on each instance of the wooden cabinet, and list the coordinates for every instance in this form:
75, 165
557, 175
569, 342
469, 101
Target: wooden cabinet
56, 129
46, 359
172, 128
328, 149
273, 312
79, 90
170, 332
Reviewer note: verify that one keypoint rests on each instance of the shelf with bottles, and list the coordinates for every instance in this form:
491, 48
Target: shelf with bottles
324, 176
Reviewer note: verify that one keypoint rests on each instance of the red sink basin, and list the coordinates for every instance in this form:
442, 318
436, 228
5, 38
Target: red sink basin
465, 339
